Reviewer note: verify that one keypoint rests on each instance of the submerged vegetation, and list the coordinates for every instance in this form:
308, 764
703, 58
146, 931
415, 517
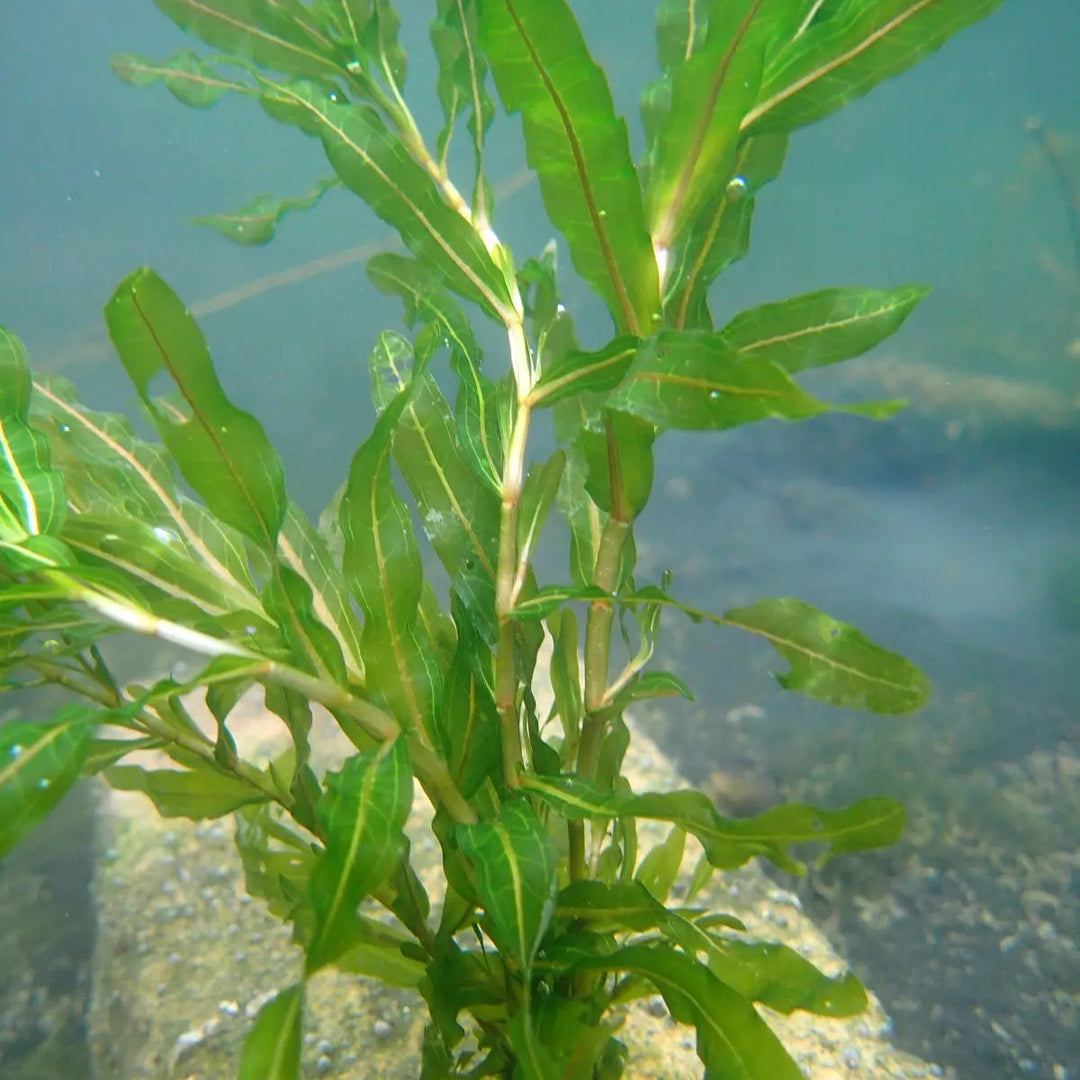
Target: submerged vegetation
552, 919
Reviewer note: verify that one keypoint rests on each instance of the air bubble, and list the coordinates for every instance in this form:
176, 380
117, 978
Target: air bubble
714, 395
737, 188
65, 428
43, 783
15, 750
166, 536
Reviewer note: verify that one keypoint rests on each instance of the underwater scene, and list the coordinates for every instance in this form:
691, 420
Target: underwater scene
609, 692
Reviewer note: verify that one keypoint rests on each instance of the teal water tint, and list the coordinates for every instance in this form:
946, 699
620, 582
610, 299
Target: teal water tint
949, 534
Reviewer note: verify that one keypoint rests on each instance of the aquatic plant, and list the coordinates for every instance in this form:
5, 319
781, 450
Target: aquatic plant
550, 921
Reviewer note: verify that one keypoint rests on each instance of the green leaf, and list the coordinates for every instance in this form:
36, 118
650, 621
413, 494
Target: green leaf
833, 661
695, 382
469, 730
821, 327
619, 462
195, 793
694, 147
783, 980
222, 451
837, 58
462, 86
514, 867
363, 813
306, 552
272, 1048
659, 869
579, 148
314, 648
732, 1039
719, 234
374, 163
256, 222
566, 678
537, 496
32, 499
382, 568
575, 372
282, 35
38, 765
550, 598
188, 77
731, 842
459, 512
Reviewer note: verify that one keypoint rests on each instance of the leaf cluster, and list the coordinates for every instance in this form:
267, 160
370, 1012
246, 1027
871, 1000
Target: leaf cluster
552, 919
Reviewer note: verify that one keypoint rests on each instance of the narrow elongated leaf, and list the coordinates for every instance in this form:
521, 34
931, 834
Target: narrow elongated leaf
382, 569
731, 842
462, 86
197, 793
619, 462
694, 381
256, 222
314, 648
514, 867
469, 722
833, 661
732, 1039
222, 451
305, 551
839, 58
579, 148
822, 327
480, 433
537, 496
188, 77
31, 491
272, 1048
282, 36
719, 234
363, 813
711, 92
576, 372
38, 765
459, 512
550, 598
374, 163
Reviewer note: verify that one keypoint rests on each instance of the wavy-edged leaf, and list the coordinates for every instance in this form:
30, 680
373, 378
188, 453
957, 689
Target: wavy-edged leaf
576, 371
462, 87
580, 149
32, 493
731, 842
108, 469
222, 451
836, 59
833, 661
732, 1039
821, 327
363, 814
186, 75
256, 222
154, 557
289, 600
514, 866
695, 142
459, 512
469, 730
282, 35
198, 792
550, 598
382, 568
374, 163
304, 550
481, 430
272, 1048
693, 381
719, 234
38, 765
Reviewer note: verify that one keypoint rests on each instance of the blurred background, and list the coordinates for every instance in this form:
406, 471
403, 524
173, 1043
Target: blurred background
948, 534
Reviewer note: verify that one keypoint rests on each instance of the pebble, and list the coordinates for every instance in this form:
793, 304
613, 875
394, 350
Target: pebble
323, 1065
381, 1029
851, 1057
